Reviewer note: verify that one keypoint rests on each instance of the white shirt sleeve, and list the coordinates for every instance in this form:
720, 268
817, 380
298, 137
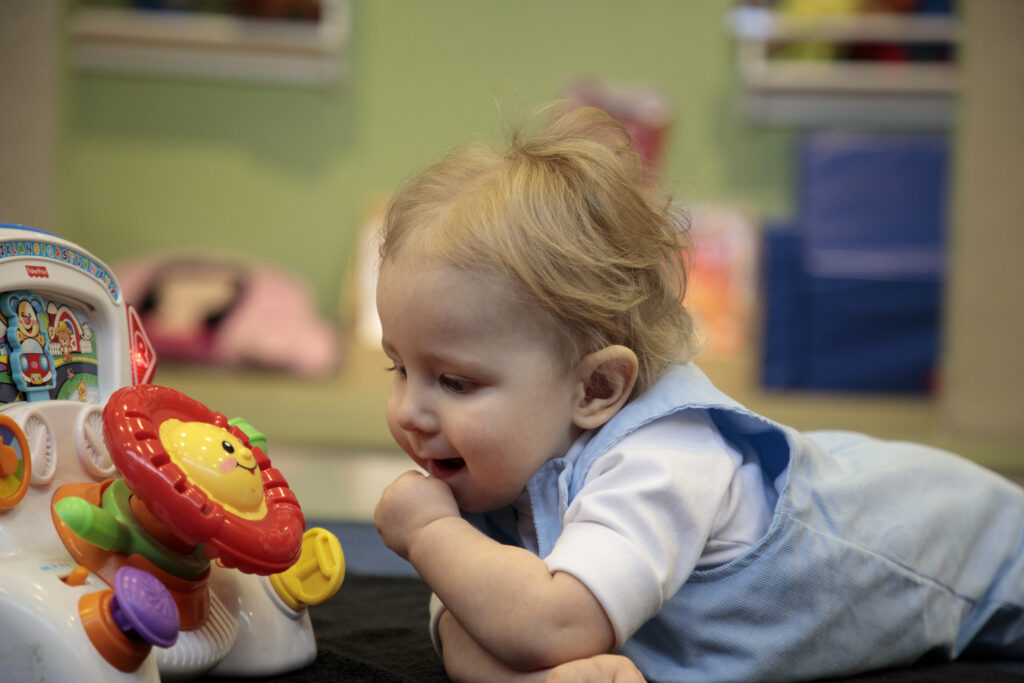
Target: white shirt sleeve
437, 609
650, 508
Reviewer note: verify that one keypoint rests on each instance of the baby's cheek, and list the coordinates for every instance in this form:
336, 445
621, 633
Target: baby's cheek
392, 420
399, 436
480, 439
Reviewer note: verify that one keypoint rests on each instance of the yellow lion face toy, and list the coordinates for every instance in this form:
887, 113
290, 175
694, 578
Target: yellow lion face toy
218, 463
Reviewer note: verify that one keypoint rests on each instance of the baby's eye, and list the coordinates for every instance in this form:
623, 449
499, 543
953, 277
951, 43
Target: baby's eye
456, 384
400, 369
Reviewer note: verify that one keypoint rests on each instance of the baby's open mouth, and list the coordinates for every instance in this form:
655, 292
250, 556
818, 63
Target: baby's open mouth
451, 464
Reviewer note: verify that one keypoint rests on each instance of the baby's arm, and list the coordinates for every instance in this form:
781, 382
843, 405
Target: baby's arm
504, 597
465, 660
606, 668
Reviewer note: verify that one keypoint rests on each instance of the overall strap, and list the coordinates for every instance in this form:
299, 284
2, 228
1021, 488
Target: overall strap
682, 387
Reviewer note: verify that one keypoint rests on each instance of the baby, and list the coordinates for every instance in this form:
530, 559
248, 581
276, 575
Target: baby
595, 508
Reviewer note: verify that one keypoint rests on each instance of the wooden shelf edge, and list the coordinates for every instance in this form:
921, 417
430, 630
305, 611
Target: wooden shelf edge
212, 46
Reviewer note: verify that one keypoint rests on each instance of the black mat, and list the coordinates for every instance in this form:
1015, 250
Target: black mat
375, 628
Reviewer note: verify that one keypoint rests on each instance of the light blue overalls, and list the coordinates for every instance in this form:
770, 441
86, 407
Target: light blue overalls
879, 553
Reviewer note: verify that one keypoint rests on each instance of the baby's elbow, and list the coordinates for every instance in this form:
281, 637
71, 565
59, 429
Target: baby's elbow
544, 648
560, 625
531, 658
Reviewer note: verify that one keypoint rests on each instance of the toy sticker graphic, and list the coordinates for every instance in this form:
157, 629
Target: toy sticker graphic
31, 365
47, 351
19, 248
73, 352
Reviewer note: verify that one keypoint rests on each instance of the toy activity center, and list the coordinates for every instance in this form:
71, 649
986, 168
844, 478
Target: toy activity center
143, 535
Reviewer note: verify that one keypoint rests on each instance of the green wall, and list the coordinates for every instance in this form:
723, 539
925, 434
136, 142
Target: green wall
287, 173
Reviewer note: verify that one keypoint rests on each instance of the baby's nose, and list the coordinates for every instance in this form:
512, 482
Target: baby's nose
415, 414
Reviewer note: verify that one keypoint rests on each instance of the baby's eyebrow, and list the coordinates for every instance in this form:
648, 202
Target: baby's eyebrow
459, 364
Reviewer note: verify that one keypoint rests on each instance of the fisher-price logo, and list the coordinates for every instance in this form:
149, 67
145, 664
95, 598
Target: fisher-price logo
37, 271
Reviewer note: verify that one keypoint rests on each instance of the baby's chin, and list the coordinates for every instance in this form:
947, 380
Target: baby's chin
474, 503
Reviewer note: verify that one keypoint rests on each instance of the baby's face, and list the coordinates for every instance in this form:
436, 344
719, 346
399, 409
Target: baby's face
478, 399
218, 463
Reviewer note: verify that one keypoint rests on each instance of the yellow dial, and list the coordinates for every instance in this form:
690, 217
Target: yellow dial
317, 574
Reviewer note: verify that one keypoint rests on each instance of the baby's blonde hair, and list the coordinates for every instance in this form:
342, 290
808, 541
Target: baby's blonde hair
562, 214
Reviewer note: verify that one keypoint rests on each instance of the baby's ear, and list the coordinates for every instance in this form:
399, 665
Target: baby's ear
606, 380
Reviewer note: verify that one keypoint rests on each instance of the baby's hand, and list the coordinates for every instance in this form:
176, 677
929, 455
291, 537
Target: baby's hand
410, 503
599, 669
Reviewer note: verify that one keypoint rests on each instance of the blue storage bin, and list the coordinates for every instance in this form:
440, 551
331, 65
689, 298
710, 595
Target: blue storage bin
872, 335
853, 286
785, 339
873, 206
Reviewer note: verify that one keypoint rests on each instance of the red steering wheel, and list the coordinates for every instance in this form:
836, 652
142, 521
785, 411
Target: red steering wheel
131, 427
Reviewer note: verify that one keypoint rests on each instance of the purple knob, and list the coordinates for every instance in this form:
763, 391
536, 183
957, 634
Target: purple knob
142, 606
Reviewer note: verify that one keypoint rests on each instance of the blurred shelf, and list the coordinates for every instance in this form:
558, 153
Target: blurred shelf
762, 24
347, 408
212, 46
813, 92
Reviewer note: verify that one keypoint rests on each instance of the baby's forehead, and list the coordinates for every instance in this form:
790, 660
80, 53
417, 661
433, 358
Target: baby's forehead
442, 283
456, 295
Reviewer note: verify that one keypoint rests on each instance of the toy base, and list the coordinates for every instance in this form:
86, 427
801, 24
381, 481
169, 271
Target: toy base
41, 636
